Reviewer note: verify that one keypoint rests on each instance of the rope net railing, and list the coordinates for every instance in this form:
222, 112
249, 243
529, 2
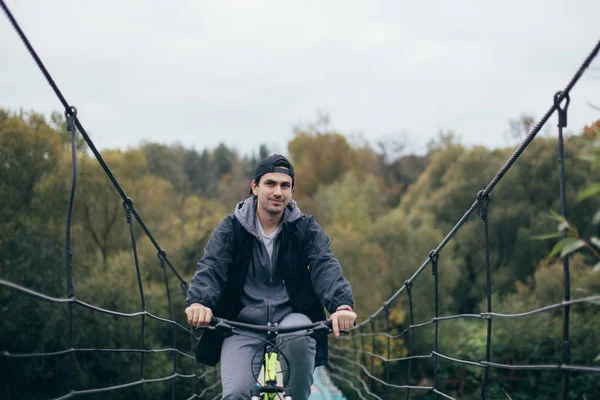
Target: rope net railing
365, 357
362, 362
199, 381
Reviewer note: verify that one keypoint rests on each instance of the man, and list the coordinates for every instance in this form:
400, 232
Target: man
267, 262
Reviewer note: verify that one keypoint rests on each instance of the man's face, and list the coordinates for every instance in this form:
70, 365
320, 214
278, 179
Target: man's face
274, 192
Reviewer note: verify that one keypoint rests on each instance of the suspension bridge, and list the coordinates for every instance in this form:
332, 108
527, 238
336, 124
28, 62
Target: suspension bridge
360, 364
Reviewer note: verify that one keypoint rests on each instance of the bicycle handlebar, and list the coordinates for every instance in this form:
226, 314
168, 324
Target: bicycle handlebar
224, 324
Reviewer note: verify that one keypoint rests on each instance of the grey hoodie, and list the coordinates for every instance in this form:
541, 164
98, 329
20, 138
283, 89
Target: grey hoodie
265, 298
321, 285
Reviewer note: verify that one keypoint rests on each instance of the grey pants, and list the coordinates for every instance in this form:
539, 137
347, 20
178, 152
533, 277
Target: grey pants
237, 353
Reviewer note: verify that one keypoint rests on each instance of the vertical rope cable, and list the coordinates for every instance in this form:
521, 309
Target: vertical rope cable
193, 365
161, 256
355, 352
560, 97
538, 127
411, 335
373, 333
72, 112
562, 122
363, 358
434, 270
354, 346
127, 205
68, 250
386, 307
484, 200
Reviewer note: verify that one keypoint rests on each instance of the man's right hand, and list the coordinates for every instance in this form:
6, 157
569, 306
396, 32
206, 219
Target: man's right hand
198, 315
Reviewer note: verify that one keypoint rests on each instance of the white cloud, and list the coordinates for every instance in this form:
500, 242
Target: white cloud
243, 73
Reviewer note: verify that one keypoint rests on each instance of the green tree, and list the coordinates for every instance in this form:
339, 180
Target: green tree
517, 210
29, 151
31, 244
323, 158
167, 162
201, 173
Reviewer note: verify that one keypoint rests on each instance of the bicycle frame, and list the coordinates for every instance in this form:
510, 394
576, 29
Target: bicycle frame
270, 390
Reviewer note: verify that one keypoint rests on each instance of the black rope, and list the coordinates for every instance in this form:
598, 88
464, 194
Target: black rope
71, 112
201, 395
380, 357
426, 263
35, 56
411, 337
372, 382
209, 388
386, 307
89, 306
68, 250
362, 345
203, 375
219, 395
162, 256
366, 371
349, 383
578, 368
488, 315
434, 270
483, 198
346, 380
481, 364
92, 350
490, 187
124, 385
353, 336
376, 334
442, 394
358, 378
192, 363
456, 360
73, 123
127, 206
562, 123
538, 127
483, 208
590, 299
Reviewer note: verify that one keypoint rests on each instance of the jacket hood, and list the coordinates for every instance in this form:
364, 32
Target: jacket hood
245, 213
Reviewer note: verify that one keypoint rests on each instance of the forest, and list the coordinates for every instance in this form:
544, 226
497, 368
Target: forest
383, 208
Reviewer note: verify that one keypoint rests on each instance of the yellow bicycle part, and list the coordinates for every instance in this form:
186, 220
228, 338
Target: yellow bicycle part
270, 371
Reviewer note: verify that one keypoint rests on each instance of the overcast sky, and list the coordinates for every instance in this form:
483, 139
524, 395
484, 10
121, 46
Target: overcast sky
247, 72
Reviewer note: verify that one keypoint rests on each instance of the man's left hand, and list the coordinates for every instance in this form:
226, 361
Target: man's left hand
342, 320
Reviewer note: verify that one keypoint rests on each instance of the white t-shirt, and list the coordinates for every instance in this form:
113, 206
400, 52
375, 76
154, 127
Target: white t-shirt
268, 240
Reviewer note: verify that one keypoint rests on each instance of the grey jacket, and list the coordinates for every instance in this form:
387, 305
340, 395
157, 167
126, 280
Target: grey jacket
237, 281
265, 297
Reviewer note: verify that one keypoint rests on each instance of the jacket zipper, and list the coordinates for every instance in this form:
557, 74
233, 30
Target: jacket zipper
270, 270
269, 298
269, 283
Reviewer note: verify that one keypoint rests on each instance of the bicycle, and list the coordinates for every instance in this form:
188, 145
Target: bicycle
269, 390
